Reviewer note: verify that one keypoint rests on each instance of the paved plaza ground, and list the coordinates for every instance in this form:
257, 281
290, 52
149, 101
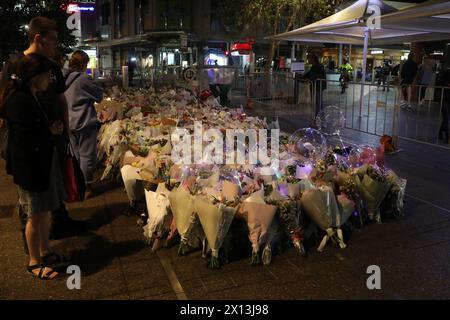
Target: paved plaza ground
413, 252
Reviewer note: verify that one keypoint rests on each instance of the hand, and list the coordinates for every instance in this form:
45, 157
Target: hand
57, 128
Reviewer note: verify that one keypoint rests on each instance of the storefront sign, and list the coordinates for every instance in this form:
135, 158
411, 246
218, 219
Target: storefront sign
81, 5
241, 46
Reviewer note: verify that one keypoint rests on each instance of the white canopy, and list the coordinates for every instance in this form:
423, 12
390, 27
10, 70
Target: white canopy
428, 21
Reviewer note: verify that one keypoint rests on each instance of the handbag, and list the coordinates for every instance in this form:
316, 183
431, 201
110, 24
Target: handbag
74, 182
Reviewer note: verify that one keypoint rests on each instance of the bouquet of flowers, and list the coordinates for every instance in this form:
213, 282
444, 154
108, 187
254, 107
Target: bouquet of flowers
324, 209
393, 204
259, 216
372, 186
289, 213
159, 215
216, 221
182, 206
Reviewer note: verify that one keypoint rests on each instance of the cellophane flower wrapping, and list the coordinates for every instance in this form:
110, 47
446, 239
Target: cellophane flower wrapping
259, 216
158, 213
393, 204
373, 188
216, 221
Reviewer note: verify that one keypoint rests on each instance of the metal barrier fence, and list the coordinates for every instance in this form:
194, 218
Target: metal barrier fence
280, 95
143, 77
413, 112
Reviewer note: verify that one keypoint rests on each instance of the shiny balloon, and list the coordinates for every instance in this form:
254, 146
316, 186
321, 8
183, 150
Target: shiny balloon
330, 120
310, 144
359, 156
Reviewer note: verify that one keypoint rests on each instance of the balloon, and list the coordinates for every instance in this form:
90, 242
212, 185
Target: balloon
330, 120
368, 155
353, 157
308, 143
362, 155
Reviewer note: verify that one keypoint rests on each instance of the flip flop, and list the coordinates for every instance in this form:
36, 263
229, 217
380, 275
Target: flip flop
48, 276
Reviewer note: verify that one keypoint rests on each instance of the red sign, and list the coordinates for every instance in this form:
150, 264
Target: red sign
241, 46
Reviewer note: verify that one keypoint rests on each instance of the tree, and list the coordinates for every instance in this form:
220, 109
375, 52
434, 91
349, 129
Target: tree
15, 15
270, 17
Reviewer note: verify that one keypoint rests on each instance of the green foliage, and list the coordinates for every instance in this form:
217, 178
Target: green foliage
273, 16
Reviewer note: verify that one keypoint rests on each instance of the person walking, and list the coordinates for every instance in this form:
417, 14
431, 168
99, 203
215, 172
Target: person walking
81, 94
32, 158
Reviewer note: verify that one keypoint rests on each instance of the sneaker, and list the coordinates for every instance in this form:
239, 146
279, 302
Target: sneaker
142, 220
410, 108
403, 104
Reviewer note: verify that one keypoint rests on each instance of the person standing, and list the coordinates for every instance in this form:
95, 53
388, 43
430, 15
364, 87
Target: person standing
444, 81
386, 75
425, 78
81, 94
407, 74
346, 70
43, 40
317, 75
32, 159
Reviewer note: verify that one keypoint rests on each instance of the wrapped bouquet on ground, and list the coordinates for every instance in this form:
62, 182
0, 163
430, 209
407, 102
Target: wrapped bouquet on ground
229, 205
373, 187
182, 204
259, 216
328, 211
159, 216
215, 220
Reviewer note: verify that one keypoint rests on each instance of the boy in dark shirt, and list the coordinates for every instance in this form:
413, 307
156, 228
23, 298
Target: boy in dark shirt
407, 74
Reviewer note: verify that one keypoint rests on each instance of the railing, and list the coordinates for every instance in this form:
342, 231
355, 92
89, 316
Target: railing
382, 109
411, 112
414, 112
142, 77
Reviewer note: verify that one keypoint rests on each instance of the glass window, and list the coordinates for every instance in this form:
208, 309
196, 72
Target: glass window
174, 14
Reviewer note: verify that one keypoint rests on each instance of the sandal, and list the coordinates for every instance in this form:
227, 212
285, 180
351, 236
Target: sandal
55, 260
48, 276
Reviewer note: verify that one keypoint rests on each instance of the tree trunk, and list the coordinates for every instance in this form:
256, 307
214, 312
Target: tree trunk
271, 55
275, 44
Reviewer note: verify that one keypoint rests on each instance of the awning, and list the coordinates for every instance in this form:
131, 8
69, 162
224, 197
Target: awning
429, 21
140, 39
